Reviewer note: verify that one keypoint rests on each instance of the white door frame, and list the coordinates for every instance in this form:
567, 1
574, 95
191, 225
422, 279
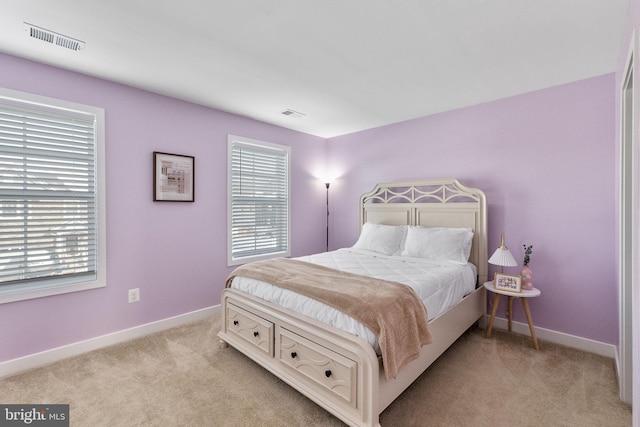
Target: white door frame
629, 215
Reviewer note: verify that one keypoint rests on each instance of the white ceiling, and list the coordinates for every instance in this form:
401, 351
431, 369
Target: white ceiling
348, 65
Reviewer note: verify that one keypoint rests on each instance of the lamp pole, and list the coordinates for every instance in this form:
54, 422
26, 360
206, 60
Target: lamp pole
327, 185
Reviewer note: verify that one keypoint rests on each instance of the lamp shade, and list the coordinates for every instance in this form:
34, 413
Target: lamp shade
502, 256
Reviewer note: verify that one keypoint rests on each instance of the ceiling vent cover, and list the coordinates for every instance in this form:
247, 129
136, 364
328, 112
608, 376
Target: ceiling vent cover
53, 38
292, 113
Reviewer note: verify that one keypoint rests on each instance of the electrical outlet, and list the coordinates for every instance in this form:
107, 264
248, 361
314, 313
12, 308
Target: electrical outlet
134, 295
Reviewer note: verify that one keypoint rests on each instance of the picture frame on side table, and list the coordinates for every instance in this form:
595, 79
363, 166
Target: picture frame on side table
507, 282
173, 177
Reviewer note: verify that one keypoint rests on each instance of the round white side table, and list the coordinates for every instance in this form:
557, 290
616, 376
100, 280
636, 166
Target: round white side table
524, 295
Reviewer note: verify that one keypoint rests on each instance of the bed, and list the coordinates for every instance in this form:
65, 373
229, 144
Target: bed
341, 370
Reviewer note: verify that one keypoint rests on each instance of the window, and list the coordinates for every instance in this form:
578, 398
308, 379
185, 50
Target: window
258, 216
52, 235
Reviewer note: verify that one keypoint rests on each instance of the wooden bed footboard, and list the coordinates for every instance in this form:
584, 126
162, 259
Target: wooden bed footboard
336, 370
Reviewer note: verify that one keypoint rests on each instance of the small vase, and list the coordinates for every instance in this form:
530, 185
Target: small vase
527, 278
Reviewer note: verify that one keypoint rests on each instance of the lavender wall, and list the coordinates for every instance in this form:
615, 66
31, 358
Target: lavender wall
544, 159
174, 252
546, 163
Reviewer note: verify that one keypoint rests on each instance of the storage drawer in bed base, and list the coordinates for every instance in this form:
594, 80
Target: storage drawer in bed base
254, 329
333, 373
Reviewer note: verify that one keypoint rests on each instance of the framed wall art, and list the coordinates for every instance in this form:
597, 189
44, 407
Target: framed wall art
507, 282
173, 177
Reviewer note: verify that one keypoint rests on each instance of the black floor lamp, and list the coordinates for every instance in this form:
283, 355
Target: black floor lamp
327, 185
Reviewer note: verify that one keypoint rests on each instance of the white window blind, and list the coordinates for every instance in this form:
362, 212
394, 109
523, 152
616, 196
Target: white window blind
258, 200
48, 200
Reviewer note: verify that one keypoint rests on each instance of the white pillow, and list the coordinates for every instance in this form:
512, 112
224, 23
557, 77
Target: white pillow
439, 243
385, 239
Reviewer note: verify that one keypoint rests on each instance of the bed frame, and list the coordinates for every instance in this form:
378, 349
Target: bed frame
337, 370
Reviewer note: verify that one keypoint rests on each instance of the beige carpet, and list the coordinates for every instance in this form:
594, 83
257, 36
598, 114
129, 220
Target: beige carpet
181, 378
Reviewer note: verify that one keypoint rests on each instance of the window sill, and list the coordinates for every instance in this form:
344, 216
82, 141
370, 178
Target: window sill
21, 292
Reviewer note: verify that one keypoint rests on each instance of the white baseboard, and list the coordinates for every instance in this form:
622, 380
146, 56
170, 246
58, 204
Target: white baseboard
11, 367
579, 343
47, 357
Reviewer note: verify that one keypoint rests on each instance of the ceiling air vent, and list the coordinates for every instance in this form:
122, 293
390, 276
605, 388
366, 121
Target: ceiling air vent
53, 38
292, 113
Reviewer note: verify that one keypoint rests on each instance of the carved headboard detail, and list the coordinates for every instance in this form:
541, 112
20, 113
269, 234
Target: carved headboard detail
431, 203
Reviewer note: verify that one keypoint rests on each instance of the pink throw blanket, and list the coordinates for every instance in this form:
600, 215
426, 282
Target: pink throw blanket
391, 310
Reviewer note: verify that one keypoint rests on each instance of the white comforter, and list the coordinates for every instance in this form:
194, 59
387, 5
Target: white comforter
438, 284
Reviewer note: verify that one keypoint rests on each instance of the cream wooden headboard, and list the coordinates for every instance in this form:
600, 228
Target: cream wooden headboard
431, 203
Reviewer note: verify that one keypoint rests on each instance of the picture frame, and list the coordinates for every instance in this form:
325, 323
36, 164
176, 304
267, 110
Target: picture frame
173, 177
507, 282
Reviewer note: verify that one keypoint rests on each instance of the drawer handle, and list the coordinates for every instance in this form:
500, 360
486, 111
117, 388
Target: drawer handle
293, 354
327, 373
235, 322
256, 333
